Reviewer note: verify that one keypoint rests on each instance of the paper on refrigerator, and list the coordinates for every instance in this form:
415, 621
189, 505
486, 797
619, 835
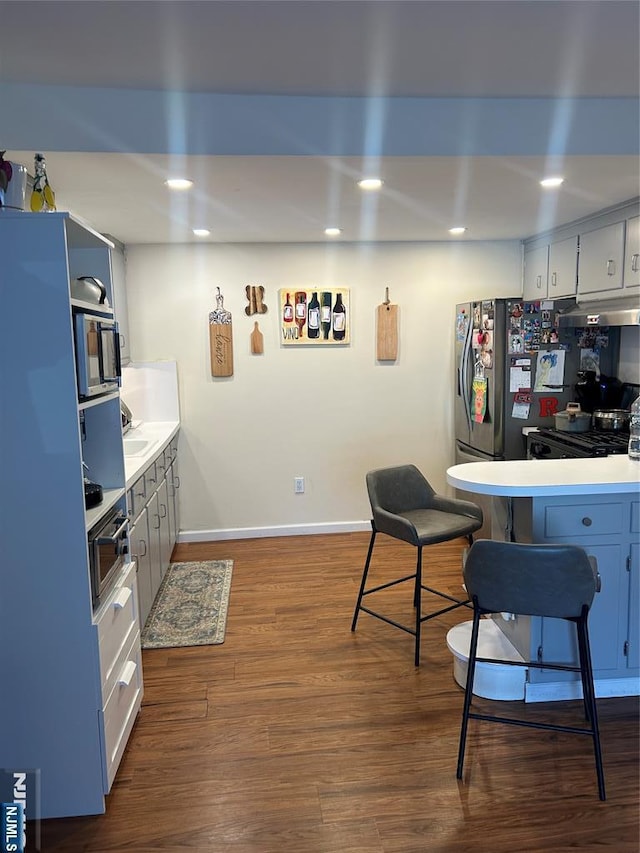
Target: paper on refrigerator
549, 370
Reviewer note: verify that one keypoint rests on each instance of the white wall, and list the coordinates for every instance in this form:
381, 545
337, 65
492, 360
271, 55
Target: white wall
328, 414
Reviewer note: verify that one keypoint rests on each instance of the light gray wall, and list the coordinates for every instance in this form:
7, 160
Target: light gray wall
328, 414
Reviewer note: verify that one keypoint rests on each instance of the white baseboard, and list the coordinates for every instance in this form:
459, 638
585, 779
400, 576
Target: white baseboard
551, 691
263, 532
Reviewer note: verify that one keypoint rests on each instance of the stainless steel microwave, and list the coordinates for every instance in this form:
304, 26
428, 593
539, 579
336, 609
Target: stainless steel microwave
108, 544
98, 365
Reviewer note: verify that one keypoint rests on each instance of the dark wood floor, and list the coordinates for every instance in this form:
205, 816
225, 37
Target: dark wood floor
297, 736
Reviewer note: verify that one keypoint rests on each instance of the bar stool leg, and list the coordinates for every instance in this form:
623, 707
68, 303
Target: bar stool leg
364, 577
417, 603
586, 665
471, 669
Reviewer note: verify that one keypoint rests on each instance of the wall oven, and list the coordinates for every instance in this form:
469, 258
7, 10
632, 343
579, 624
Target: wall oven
108, 547
98, 365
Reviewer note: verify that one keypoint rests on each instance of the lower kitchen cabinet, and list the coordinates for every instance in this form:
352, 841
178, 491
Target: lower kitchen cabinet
118, 628
606, 526
152, 504
141, 553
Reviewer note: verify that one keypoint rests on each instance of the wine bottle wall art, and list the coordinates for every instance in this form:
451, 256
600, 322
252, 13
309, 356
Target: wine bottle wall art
318, 316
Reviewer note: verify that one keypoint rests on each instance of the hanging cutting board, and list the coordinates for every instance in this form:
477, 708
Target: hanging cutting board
257, 341
387, 331
221, 339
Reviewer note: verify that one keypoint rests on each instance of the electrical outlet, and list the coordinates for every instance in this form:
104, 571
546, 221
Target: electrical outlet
298, 485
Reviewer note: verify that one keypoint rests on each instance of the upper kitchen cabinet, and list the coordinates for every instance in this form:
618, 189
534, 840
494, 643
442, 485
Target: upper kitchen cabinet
631, 275
119, 278
601, 259
550, 270
536, 270
589, 259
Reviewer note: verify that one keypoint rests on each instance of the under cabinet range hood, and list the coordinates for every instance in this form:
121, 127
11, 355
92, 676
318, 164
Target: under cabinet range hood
614, 312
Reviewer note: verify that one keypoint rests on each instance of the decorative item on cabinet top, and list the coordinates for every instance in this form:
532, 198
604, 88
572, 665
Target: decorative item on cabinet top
221, 339
13, 184
43, 197
318, 317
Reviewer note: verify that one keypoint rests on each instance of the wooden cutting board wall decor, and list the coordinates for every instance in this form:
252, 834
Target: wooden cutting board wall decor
221, 339
257, 341
387, 330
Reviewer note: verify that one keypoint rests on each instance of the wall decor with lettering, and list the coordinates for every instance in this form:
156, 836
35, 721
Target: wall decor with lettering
317, 317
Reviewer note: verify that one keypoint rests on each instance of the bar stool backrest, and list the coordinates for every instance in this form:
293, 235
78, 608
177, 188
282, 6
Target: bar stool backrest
533, 580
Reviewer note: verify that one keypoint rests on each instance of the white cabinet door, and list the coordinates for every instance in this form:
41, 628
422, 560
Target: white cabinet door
166, 545
563, 268
173, 483
536, 267
632, 253
119, 285
141, 553
601, 260
153, 511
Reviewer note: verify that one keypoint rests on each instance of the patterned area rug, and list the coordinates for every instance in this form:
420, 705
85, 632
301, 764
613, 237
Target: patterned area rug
191, 606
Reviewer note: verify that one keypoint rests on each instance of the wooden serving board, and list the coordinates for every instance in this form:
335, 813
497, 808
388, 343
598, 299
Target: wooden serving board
257, 341
221, 345
387, 332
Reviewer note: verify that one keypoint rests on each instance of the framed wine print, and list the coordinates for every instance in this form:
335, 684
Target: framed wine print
317, 317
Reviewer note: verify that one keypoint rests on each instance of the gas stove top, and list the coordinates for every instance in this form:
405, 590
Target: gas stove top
558, 444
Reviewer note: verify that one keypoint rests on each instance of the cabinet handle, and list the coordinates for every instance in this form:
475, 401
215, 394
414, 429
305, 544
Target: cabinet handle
128, 671
554, 279
587, 521
611, 267
156, 526
122, 341
176, 481
539, 282
143, 542
122, 597
163, 511
634, 262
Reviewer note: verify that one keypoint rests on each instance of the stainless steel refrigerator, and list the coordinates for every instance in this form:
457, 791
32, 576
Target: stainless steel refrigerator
514, 369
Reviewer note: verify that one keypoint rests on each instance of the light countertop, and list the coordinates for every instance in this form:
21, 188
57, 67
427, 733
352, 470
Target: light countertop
538, 477
158, 434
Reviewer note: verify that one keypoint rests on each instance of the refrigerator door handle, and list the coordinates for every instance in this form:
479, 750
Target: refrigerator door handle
463, 372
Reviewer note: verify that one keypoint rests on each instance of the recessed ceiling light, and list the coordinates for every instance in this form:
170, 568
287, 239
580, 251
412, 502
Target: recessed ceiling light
332, 232
459, 229
179, 183
370, 183
551, 182
201, 232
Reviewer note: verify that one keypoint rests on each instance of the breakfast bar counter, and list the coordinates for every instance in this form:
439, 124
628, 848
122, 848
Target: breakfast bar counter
528, 478
594, 503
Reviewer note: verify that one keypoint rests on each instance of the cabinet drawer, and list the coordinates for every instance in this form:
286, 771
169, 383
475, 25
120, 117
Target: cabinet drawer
136, 498
584, 520
114, 621
151, 479
122, 706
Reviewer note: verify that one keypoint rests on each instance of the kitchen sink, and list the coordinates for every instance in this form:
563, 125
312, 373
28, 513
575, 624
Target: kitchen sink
137, 446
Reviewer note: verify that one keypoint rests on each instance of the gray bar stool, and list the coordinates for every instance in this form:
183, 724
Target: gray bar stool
557, 581
406, 507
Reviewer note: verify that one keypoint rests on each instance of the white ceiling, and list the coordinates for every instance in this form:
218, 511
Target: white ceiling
305, 52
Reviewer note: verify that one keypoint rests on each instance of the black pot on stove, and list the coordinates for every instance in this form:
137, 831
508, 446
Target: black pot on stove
610, 392
588, 390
